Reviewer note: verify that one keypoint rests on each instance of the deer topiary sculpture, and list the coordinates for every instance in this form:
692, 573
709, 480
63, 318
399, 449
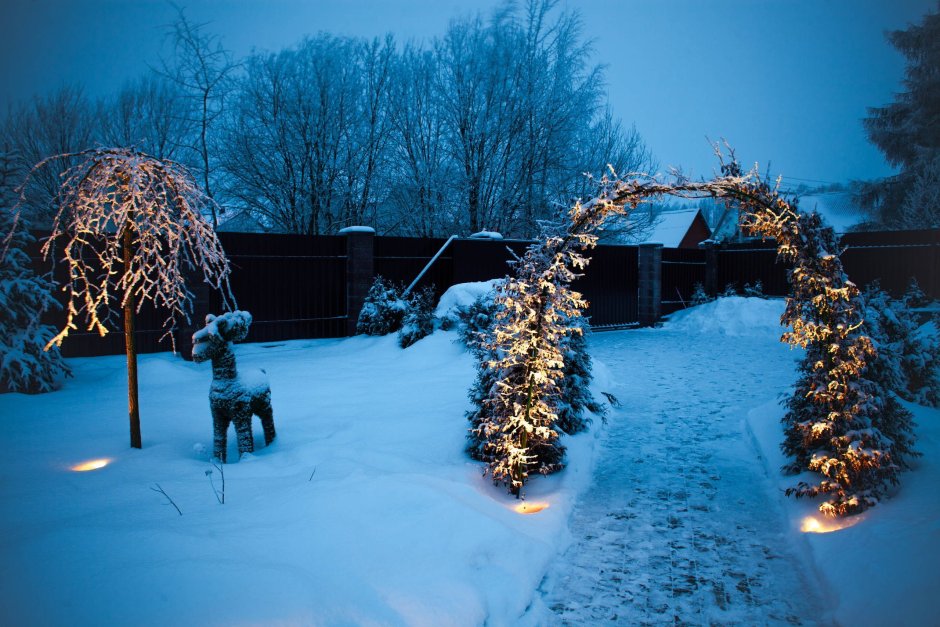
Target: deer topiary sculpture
233, 396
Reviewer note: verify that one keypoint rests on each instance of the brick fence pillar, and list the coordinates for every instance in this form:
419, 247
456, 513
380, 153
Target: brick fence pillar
650, 284
360, 270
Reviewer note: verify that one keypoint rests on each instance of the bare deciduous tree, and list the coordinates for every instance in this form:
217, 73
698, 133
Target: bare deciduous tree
60, 123
150, 114
202, 67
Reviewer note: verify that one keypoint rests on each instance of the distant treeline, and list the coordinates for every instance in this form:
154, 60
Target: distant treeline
490, 126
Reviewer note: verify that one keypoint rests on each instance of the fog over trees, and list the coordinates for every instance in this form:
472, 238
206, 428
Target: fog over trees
490, 126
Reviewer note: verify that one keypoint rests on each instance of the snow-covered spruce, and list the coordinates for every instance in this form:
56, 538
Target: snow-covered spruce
233, 396
699, 295
518, 391
576, 398
474, 322
840, 423
418, 321
908, 361
24, 297
383, 309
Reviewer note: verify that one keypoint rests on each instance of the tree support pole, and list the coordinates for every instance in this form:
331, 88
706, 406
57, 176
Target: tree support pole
130, 345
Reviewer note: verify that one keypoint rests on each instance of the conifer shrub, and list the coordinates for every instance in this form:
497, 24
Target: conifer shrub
908, 361
576, 398
418, 321
383, 310
474, 322
699, 295
753, 290
24, 297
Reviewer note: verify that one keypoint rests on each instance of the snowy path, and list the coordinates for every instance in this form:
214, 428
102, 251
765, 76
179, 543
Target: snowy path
678, 527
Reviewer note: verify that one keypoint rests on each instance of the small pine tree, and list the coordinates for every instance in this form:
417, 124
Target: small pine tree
474, 322
383, 310
418, 321
24, 297
908, 362
730, 290
699, 295
755, 290
921, 353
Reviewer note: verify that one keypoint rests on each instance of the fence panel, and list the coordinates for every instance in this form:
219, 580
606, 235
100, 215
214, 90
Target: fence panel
739, 264
401, 260
610, 286
682, 268
893, 258
293, 285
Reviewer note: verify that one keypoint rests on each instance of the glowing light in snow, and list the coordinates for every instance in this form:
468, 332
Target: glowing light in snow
93, 464
530, 507
811, 524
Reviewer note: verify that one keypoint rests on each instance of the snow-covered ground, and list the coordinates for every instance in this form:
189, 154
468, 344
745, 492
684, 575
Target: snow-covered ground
365, 511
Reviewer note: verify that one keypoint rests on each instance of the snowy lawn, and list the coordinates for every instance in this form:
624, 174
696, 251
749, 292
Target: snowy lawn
365, 511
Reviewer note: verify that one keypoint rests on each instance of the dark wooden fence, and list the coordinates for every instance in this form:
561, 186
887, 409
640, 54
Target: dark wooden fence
682, 268
296, 286
892, 258
293, 285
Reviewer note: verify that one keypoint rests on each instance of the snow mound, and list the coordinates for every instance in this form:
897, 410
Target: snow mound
731, 315
463, 295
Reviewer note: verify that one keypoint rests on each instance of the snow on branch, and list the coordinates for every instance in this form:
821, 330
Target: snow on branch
130, 229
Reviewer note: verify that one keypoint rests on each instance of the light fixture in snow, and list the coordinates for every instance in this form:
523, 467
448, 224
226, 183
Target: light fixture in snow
93, 464
529, 507
812, 524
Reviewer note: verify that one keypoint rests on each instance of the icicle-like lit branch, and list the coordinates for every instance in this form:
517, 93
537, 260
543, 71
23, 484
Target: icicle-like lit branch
115, 190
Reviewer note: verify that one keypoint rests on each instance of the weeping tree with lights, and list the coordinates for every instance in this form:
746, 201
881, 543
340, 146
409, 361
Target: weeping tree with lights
130, 229
839, 424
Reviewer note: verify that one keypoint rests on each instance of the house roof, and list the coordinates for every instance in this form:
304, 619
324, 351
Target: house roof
669, 228
240, 222
836, 208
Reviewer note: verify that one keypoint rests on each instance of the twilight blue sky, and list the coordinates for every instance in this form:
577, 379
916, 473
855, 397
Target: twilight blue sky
785, 81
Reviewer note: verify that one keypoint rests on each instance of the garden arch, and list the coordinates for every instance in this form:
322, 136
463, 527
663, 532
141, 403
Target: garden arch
838, 424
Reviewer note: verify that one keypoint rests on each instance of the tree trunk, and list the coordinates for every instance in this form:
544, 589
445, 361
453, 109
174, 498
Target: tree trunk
130, 345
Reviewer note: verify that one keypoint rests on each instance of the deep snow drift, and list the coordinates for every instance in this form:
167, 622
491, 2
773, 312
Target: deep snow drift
366, 511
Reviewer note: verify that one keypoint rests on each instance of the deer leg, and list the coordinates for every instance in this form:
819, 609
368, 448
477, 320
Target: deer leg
242, 420
264, 411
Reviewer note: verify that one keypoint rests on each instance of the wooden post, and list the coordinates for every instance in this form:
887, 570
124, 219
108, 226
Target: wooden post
130, 345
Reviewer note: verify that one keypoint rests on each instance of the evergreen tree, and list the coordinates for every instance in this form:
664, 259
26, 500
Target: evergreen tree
418, 321
908, 134
24, 298
383, 310
474, 323
699, 295
840, 422
908, 360
518, 391
576, 397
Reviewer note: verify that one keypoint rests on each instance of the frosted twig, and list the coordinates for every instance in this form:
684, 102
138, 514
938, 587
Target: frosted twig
161, 491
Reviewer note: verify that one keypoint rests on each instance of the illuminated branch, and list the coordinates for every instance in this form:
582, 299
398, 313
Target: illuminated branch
118, 194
